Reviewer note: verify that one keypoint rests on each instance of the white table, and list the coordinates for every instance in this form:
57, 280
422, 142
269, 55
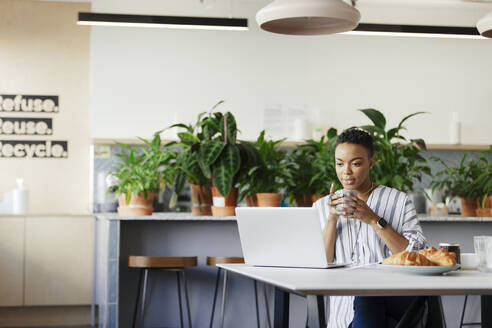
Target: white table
314, 283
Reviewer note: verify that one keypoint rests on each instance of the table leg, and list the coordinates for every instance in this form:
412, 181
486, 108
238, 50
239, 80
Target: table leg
281, 309
486, 301
316, 311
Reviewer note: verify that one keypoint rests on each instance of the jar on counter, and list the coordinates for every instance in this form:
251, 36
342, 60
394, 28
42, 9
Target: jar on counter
452, 247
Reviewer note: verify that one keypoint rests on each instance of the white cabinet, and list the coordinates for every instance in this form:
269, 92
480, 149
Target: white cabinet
11, 261
46, 260
58, 257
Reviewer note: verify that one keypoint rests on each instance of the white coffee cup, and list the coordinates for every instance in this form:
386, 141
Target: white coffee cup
469, 261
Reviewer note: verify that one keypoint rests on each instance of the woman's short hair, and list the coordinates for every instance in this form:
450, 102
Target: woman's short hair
357, 137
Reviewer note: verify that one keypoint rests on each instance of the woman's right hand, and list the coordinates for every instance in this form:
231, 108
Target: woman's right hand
335, 199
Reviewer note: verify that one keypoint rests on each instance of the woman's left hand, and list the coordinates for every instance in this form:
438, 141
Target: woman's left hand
362, 211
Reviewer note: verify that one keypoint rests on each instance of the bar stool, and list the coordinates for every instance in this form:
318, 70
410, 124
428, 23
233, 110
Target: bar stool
154, 263
213, 261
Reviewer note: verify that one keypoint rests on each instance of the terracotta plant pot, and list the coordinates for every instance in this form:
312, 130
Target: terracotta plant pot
221, 201
304, 201
483, 212
468, 206
138, 205
224, 206
201, 200
269, 199
251, 201
223, 210
317, 197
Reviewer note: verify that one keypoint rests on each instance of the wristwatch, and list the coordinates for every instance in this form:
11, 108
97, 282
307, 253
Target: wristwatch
381, 223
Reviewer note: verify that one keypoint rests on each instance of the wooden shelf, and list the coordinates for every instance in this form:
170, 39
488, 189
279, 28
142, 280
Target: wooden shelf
106, 141
461, 147
135, 141
457, 147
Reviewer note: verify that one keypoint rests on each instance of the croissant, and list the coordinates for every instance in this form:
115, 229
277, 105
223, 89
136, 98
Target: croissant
439, 257
408, 258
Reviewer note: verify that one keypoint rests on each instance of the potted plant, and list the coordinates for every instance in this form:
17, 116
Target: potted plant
398, 162
269, 176
464, 181
188, 165
247, 180
484, 184
223, 159
140, 174
301, 170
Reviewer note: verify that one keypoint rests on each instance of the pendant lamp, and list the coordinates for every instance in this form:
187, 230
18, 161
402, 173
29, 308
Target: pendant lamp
308, 17
484, 25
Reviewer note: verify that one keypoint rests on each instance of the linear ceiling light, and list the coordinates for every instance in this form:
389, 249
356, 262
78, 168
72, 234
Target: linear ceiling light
425, 31
183, 22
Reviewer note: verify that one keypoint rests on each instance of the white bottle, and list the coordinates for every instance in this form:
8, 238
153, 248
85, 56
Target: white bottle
300, 129
20, 198
455, 130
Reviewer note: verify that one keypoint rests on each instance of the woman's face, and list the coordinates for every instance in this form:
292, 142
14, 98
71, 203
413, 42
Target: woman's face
353, 164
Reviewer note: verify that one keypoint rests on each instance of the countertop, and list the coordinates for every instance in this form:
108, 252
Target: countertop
173, 216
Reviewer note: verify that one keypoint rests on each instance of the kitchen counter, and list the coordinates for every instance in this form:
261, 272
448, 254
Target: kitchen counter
181, 234
177, 216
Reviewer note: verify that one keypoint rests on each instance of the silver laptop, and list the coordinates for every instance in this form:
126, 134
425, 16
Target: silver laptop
285, 237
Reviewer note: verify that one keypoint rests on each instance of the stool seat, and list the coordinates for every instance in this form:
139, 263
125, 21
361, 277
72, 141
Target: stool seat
214, 260
160, 262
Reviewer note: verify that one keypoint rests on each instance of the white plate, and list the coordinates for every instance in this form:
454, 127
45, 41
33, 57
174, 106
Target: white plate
423, 270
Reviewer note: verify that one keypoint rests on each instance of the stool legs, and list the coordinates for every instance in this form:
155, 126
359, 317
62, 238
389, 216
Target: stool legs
142, 313
256, 304
217, 280
139, 286
224, 301
186, 299
179, 300
144, 275
224, 294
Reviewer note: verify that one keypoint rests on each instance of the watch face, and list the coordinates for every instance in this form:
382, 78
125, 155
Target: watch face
382, 222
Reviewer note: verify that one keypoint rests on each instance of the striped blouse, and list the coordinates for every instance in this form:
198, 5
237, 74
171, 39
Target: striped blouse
358, 242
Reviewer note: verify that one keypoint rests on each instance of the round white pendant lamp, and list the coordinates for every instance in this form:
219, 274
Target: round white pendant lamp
484, 25
308, 17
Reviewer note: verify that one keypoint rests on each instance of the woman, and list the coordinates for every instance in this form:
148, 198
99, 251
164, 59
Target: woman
384, 222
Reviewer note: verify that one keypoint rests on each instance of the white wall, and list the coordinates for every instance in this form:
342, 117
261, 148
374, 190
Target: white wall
143, 79
44, 52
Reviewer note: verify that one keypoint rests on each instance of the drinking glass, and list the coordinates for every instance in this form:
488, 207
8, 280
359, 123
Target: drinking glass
483, 249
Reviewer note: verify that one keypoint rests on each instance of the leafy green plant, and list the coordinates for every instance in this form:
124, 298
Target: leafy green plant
472, 178
301, 172
224, 158
398, 161
143, 169
211, 152
312, 167
324, 163
271, 171
188, 146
